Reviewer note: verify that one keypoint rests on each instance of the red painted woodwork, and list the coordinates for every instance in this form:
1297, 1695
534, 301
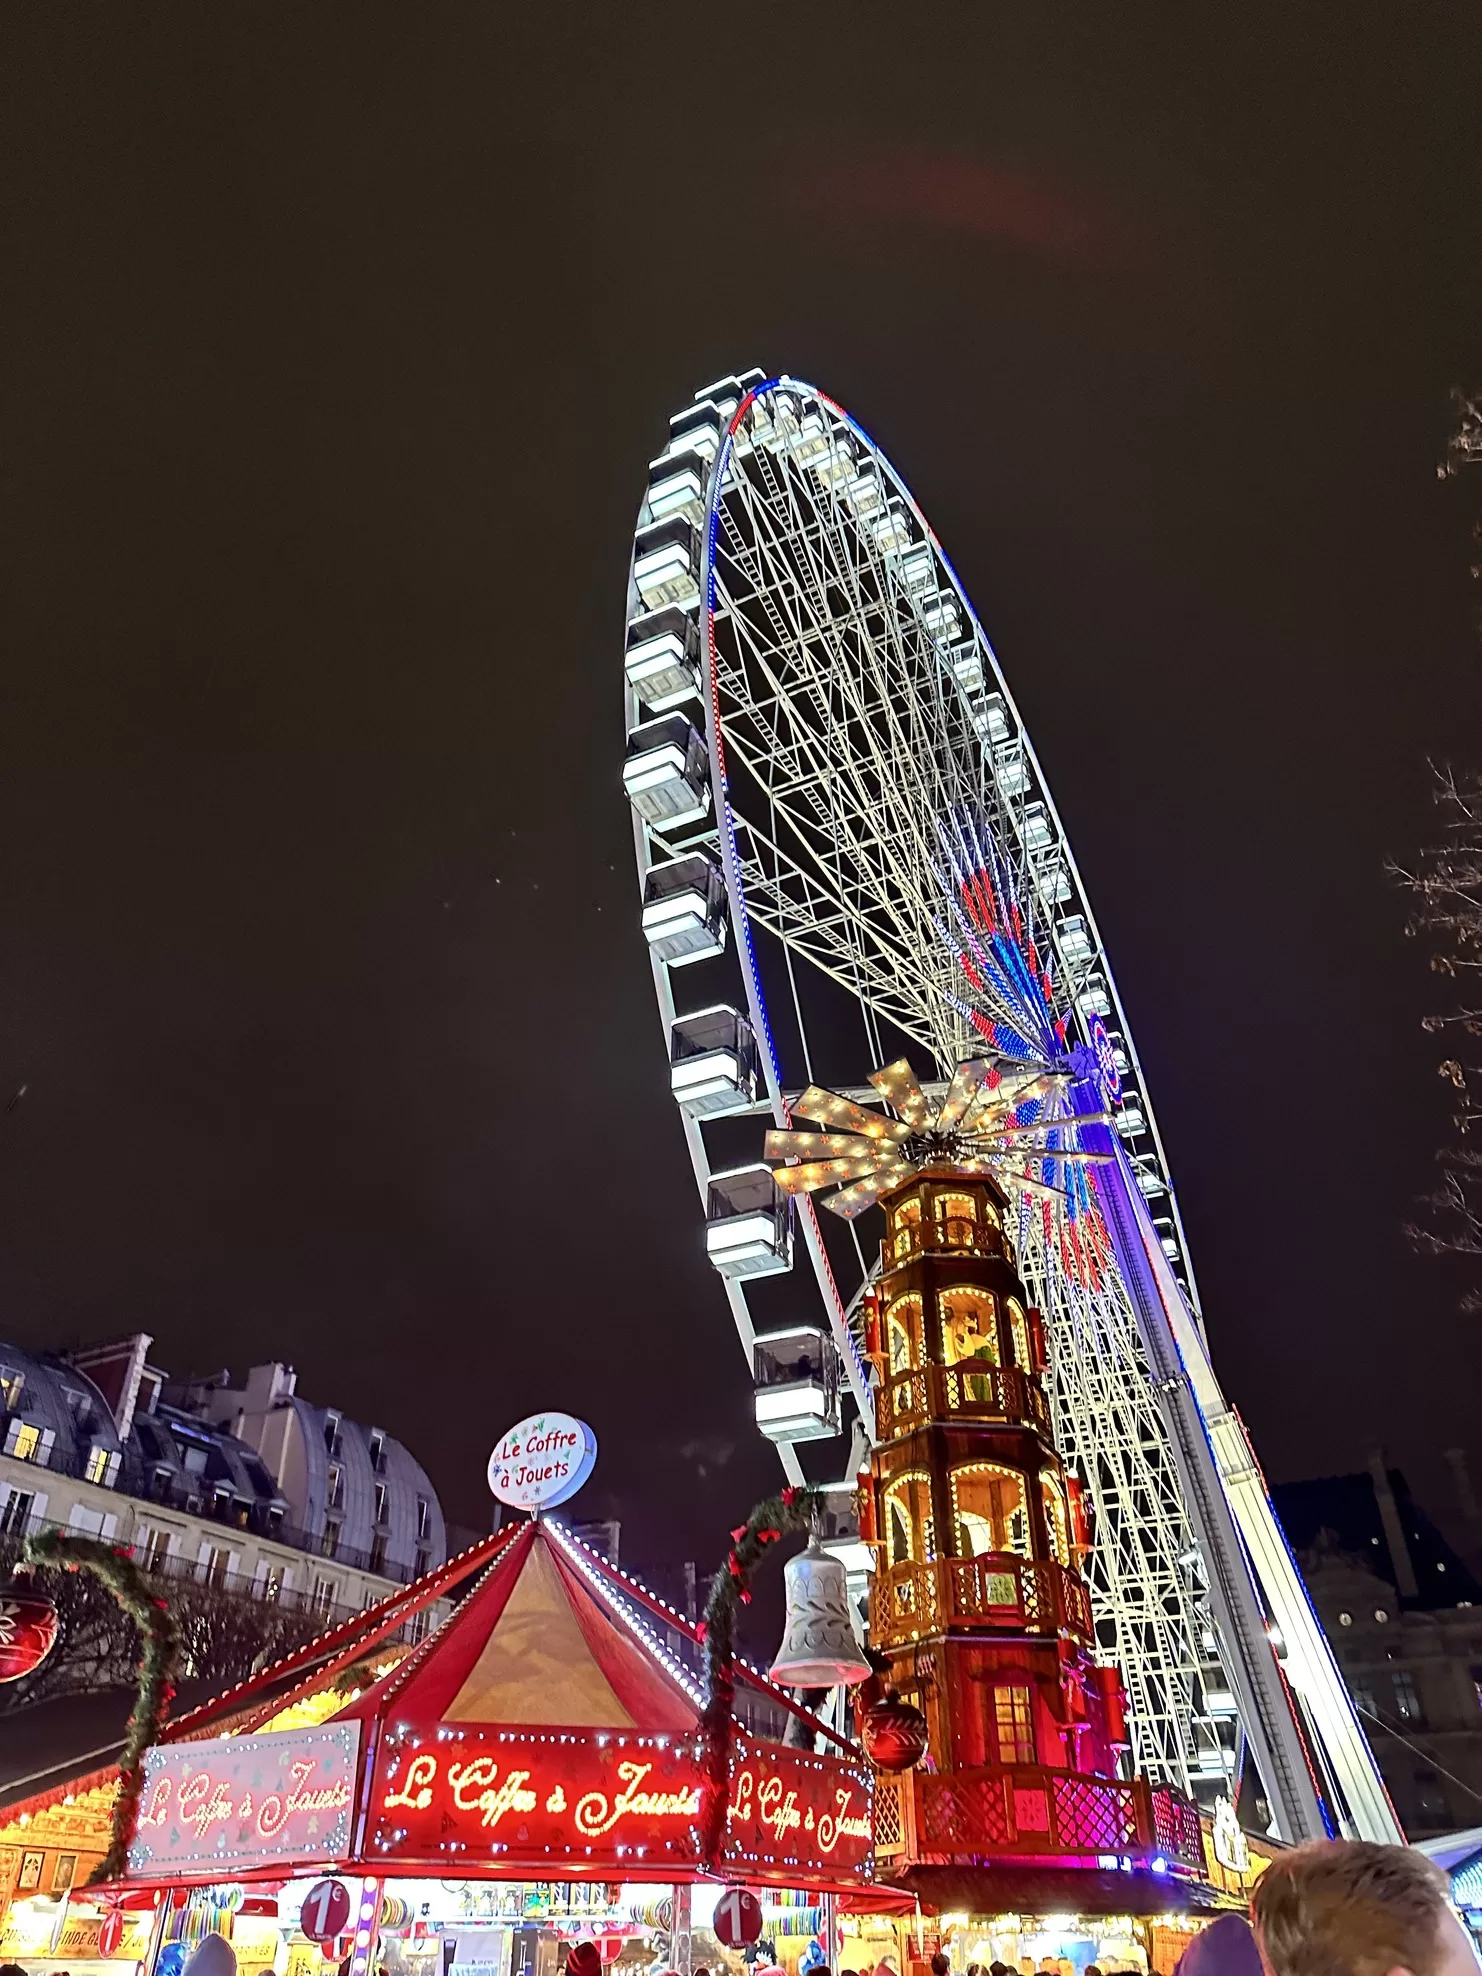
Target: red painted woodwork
28, 1632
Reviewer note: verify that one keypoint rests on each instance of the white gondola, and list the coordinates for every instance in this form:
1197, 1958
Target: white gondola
967, 668
667, 774
748, 1229
663, 658
1075, 940
797, 1384
893, 530
678, 486
697, 430
712, 1062
942, 618
684, 915
811, 444
666, 564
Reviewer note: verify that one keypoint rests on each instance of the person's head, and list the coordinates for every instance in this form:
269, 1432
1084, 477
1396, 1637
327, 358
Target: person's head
1092, 1969
1225, 1948
212, 1955
584, 1959
11, 1969
1348, 1907
941, 1965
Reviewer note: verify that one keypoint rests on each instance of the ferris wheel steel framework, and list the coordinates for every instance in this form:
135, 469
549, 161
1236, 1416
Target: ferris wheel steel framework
1202, 1485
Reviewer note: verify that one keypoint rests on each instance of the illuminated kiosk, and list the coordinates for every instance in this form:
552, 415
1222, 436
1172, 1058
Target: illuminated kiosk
527, 1774
977, 1600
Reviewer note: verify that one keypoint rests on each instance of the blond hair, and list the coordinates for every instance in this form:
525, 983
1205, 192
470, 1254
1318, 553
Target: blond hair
1346, 1907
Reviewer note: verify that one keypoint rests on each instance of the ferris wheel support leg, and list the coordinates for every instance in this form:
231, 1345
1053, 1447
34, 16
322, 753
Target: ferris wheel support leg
1341, 1747
1310, 1665
1250, 1664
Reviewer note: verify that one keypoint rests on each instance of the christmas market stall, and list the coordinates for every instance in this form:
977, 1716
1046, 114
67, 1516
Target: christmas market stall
531, 1775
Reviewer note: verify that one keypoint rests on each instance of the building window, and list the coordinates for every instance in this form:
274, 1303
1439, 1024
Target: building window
424, 1519
1014, 1721
907, 1227
15, 1515
378, 1449
323, 1596
988, 1510
12, 1385
909, 1532
332, 1433
330, 1540
336, 1486
216, 1566
25, 1441
153, 1549
1019, 1335
969, 1329
1407, 1699
424, 1563
957, 1215
380, 1515
1057, 1521
272, 1584
903, 1334
102, 1466
378, 1554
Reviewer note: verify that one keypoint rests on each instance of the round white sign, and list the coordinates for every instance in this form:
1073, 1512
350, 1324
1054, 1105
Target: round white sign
542, 1461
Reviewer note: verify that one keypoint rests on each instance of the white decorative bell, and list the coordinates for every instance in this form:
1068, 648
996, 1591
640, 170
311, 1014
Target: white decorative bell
818, 1649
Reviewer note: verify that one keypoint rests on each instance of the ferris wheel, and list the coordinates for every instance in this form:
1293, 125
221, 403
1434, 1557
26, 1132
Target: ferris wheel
848, 854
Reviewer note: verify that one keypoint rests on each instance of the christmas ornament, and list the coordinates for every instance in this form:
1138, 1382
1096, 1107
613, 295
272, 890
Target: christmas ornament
893, 1733
28, 1632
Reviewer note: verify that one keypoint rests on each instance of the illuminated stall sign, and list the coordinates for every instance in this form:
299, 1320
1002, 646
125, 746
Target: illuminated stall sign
246, 1800
489, 1794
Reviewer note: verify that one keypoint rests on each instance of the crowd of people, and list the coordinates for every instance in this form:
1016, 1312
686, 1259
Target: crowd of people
1337, 1907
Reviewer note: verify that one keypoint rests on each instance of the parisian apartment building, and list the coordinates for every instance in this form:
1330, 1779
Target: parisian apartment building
249, 1488
1401, 1604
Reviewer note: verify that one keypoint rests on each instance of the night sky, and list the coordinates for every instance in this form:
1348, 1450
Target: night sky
338, 339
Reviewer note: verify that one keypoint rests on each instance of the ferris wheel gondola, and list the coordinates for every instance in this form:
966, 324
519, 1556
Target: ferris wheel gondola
838, 811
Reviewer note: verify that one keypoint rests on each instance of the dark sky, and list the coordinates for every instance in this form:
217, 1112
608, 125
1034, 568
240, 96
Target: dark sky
338, 340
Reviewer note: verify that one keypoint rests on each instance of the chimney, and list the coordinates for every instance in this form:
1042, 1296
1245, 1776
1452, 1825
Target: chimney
1394, 1533
117, 1370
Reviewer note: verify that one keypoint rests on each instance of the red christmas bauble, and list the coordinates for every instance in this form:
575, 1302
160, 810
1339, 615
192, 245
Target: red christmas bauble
893, 1733
28, 1632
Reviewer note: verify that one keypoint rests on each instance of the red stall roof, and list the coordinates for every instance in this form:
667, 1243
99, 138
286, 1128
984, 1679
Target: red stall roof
544, 1729
532, 1645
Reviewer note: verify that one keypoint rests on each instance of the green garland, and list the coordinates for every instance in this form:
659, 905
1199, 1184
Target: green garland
160, 1653
730, 1589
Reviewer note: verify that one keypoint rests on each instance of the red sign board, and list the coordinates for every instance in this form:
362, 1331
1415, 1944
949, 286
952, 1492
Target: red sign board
110, 1933
326, 1910
239, 1801
738, 1918
506, 1795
